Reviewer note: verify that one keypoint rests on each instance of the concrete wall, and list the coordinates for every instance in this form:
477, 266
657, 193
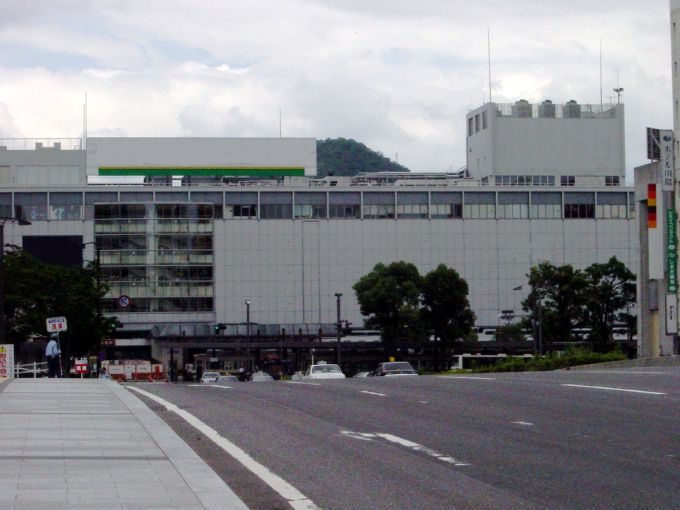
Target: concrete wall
40, 167
546, 146
281, 152
290, 270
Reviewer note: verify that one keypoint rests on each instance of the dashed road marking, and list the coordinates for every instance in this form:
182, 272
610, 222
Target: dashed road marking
468, 377
613, 389
294, 497
525, 423
305, 383
373, 393
370, 436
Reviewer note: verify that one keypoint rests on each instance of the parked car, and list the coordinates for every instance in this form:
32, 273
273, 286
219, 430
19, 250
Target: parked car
394, 368
362, 374
261, 377
324, 371
210, 377
224, 379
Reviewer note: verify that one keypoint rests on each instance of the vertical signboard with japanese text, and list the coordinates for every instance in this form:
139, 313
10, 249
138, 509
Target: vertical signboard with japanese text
666, 161
671, 251
6, 361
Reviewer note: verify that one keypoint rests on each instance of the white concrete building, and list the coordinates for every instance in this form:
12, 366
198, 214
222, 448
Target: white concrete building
189, 252
543, 144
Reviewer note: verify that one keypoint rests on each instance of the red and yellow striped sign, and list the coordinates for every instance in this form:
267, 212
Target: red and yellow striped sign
651, 205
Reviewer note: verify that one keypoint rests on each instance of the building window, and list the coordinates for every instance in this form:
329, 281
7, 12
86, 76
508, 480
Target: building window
310, 205
513, 205
567, 180
470, 129
378, 205
611, 180
611, 205
240, 206
484, 119
579, 205
276, 206
66, 206
344, 205
30, 206
477, 123
546, 205
479, 205
446, 205
412, 205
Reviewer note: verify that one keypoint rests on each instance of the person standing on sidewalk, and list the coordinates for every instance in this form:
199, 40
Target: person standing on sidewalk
53, 354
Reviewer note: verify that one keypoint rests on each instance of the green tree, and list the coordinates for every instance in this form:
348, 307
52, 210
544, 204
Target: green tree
446, 310
511, 333
555, 302
609, 289
389, 296
35, 291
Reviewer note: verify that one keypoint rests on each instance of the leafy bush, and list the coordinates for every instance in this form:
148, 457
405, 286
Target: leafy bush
570, 358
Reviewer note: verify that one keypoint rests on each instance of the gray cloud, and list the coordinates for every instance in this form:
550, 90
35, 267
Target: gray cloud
398, 76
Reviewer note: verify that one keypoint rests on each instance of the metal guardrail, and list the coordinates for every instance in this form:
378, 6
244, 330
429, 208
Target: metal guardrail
31, 144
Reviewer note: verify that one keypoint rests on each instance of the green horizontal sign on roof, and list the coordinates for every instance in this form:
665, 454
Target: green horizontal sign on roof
250, 171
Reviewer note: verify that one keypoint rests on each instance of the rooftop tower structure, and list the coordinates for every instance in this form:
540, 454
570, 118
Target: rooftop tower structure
546, 144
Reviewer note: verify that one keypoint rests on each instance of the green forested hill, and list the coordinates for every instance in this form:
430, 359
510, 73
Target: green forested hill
339, 156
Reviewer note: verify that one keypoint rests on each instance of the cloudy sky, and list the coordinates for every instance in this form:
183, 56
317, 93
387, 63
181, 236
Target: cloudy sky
397, 75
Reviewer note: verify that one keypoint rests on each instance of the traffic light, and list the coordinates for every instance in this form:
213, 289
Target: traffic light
114, 324
220, 326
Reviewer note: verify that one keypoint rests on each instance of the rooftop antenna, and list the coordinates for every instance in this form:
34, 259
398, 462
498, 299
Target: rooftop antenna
84, 142
600, 72
488, 46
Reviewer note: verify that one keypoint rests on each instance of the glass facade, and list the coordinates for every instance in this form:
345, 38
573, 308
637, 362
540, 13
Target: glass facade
160, 255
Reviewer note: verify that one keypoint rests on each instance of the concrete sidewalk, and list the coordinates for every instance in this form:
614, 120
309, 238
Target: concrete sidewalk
91, 444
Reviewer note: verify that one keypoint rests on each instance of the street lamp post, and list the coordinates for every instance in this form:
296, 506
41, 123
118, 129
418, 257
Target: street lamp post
3, 322
338, 345
248, 325
99, 301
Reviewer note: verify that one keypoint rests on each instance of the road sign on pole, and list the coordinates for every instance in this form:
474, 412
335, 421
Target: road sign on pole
56, 324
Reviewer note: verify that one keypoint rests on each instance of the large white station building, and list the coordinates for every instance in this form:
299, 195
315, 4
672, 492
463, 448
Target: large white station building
213, 222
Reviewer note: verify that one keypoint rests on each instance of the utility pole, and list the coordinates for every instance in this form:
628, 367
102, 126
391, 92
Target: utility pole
338, 345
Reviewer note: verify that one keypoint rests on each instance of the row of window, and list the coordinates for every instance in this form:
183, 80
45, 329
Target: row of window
476, 123
524, 180
311, 205
163, 242
140, 305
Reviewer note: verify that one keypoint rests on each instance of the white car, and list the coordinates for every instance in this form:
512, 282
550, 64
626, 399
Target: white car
210, 377
324, 371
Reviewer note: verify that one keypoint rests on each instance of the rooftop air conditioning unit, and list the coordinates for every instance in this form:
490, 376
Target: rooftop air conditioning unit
522, 108
546, 109
572, 110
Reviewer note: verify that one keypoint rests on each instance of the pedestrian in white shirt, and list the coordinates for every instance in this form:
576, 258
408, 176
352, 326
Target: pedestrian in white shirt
53, 353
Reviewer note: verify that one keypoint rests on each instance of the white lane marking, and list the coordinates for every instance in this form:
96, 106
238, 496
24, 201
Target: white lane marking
373, 393
468, 377
525, 423
613, 389
420, 448
364, 436
295, 498
642, 372
209, 386
305, 383
424, 402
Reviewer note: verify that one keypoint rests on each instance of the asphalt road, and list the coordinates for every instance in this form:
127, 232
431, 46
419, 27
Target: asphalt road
523, 440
